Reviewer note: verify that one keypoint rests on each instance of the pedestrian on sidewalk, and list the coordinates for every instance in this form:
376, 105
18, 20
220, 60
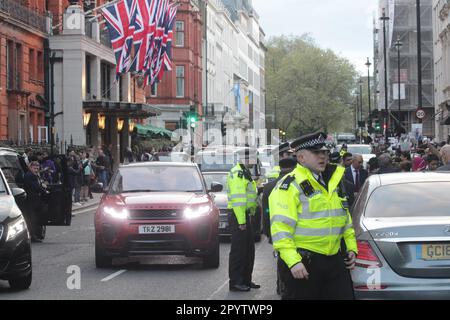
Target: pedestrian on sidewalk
86, 181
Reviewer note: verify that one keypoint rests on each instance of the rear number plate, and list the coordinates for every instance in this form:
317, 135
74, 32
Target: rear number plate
436, 251
156, 229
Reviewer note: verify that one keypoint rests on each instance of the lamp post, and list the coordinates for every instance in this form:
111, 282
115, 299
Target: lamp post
386, 115
361, 109
276, 124
368, 64
398, 45
419, 58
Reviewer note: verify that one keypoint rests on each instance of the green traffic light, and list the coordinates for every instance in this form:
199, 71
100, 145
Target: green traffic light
193, 119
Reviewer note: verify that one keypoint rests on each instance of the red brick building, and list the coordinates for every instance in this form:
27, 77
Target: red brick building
23, 29
181, 87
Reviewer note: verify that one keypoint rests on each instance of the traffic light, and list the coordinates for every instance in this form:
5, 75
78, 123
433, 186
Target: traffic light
377, 125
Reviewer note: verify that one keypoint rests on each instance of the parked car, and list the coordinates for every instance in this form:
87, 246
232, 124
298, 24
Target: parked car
221, 201
58, 202
157, 208
402, 224
15, 240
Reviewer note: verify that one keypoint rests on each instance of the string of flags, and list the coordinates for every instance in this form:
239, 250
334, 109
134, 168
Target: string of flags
141, 33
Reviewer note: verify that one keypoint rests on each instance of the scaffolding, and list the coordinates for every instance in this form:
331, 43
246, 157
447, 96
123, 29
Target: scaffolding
403, 26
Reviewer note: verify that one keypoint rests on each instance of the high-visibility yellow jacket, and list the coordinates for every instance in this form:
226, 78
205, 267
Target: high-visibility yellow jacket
307, 216
274, 173
242, 194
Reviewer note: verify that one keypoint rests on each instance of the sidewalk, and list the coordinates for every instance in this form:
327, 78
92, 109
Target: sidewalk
90, 205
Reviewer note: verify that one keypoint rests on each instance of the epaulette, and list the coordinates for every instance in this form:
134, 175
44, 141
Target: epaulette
307, 188
287, 182
240, 174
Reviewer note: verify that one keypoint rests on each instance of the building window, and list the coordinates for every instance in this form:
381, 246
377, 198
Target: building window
10, 65
18, 63
88, 77
31, 65
154, 90
180, 81
40, 66
179, 29
106, 81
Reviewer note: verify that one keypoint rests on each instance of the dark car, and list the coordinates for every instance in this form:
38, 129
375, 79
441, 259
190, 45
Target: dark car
402, 224
157, 208
15, 241
57, 203
221, 200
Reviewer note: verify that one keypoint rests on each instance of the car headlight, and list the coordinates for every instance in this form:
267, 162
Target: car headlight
15, 228
196, 212
120, 214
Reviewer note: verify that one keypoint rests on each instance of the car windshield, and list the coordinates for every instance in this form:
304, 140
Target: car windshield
11, 168
157, 179
266, 157
217, 162
421, 199
359, 149
2, 187
220, 178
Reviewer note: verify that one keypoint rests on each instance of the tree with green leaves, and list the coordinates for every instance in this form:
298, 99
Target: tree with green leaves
311, 87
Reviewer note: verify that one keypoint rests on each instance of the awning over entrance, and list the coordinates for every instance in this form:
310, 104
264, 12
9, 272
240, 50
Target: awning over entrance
148, 130
121, 109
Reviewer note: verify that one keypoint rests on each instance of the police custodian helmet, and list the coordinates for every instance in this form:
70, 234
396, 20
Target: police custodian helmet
313, 142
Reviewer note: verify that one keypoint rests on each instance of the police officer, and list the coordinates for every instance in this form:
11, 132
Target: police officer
242, 195
343, 150
284, 151
309, 217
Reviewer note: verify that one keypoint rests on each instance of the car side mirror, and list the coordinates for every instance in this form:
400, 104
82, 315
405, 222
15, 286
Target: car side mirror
19, 193
216, 187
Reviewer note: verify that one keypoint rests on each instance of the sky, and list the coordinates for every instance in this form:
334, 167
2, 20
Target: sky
345, 26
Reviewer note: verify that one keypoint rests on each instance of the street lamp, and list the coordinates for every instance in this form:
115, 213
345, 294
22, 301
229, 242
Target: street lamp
361, 109
368, 64
398, 45
276, 120
384, 19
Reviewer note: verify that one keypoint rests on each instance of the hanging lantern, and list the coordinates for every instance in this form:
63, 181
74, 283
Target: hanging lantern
120, 124
131, 126
86, 119
101, 122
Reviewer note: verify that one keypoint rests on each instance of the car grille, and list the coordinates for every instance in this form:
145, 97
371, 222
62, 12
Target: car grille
156, 214
224, 214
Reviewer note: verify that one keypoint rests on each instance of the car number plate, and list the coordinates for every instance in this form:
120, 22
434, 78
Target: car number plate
436, 251
156, 229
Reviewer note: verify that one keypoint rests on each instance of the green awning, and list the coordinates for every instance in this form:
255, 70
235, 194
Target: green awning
148, 130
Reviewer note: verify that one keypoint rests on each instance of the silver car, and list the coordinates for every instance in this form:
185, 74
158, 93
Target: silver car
402, 224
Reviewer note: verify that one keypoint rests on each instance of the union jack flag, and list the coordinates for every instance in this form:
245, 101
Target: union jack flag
141, 33
118, 17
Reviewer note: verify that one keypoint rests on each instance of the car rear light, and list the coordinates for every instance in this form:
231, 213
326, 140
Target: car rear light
366, 256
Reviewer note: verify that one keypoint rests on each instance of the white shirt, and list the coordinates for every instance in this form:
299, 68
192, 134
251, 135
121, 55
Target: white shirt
354, 174
319, 178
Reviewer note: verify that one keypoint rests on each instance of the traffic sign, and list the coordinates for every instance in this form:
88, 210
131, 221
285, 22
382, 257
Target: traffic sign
420, 114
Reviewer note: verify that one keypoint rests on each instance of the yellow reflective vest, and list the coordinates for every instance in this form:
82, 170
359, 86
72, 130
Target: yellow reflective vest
242, 194
342, 152
304, 215
274, 173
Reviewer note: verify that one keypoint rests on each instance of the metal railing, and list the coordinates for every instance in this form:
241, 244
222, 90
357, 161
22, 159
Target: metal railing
23, 14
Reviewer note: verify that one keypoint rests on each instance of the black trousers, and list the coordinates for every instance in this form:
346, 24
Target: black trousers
242, 253
328, 279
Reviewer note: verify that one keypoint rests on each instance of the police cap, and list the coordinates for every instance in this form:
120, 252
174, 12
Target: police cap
282, 148
314, 142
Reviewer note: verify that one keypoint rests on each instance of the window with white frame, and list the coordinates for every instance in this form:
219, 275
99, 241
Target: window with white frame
179, 30
180, 81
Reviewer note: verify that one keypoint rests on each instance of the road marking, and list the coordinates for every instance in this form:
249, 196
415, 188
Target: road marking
116, 274
258, 246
